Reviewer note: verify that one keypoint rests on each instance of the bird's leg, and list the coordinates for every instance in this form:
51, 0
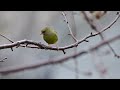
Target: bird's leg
49, 46
57, 47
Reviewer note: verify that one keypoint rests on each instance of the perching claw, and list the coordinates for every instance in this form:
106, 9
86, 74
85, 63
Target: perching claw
57, 47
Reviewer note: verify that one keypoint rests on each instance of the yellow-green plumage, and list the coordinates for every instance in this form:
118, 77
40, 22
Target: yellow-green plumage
49, 35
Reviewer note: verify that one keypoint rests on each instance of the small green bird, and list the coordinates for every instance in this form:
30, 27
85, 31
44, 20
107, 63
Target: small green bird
49, 35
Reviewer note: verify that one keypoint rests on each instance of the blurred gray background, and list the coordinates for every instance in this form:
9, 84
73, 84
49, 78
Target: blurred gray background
19, 25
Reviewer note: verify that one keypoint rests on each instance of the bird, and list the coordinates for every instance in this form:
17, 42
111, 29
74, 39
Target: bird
50, 36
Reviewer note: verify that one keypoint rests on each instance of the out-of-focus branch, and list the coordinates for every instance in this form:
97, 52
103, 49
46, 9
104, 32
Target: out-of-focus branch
94, 27
33, 44
27, 43
86, 73
55, 61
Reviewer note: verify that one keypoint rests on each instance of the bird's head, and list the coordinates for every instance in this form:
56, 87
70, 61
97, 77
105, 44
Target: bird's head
45, 30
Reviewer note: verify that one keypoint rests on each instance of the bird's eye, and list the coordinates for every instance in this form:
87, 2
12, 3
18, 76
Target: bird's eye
43, 31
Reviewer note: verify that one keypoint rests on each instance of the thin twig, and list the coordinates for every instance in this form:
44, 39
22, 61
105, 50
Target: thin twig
76, 63
69, 28
42, 46
94, 27
3, 59
6, 38
56, 61
13, 42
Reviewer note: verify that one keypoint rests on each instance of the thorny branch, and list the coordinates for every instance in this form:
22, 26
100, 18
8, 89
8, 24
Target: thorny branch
55, 61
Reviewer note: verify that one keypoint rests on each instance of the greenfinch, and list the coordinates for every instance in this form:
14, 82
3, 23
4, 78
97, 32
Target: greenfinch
49, 35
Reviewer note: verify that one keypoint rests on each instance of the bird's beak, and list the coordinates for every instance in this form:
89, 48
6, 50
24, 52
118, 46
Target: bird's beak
41, 33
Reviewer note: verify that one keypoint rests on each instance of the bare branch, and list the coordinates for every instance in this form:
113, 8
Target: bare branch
94, 27
42, 46
6, 38
87, 73
69, 28
3, 59
33, 44
56, 61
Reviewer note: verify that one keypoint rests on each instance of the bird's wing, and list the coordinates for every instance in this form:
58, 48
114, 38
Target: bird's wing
55, 32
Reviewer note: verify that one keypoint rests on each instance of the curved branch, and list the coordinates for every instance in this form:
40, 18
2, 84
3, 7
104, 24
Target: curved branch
56, 61
69, 28
94, 27
37, 45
